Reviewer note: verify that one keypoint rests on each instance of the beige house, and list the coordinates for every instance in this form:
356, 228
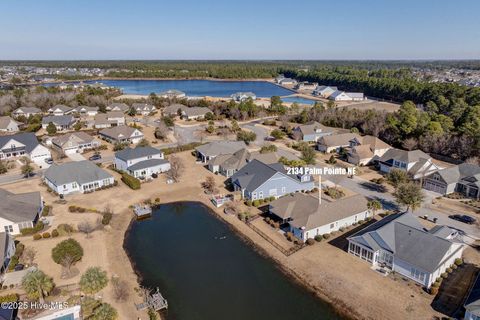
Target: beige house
364, 149
7, 124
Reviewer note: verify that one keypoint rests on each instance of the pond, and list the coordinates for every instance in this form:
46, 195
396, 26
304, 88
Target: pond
199, 88
206, 271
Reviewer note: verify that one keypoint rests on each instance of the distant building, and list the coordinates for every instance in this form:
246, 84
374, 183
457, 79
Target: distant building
172, 94
324, 91
242, 96
174, 110
7, 124
141, 162
86, 110
335, 142
195, 113
76, 177
346, 96
306, 86
121, 134
365, 149
27, 112
109, 119
60, 110
287, 82
208, 151
144, 108
60, 122
118, 107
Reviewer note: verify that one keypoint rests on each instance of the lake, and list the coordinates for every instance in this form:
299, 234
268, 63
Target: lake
206, 271
198, 88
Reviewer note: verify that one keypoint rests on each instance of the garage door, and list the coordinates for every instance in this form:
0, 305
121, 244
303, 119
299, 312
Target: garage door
432, 186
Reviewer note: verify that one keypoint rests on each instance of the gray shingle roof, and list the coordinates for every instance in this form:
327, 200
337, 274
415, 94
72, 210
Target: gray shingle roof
334, 140
221, 147
117, 132
404, 156
135, 153
58, 120
459, 172
19, 207
27, 110
28, 139
74, 139
147, 164
80, 172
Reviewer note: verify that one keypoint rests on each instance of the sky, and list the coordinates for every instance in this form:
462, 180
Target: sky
239, 30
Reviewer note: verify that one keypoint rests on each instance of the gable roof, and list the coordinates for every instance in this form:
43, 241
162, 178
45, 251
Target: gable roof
135, 153
64, 120
26, 138
80, 172
173, 108
341, 139
147, 164
19, 207
27, 110
85, 109
5, 122
119, 131
73, 139
374, 142
61, 107
118, 105
216, 148
143, 107
460, 172
404, 156
196, 111
310, 128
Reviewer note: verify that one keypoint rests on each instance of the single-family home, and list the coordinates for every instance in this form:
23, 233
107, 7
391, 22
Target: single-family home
279, 78
26, 112
7, 250
308, 217
335, 142
7, 124
313, 131
121, 134
86, 111
356, 96
172, 94
258, 180
141, 162
195, 113
228, 164
109, 119
346, 96
324, 91
60, 110
74, 142
60, 122
144, 108
19, 210
364, 149
76, 177
174, 110
416, 162
463, 178
23, 144
242, 96
117, 106
400, 243
305, 85
472, 303
208, 151
287, 82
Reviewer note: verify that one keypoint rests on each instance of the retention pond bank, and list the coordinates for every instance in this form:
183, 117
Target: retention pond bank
206, 271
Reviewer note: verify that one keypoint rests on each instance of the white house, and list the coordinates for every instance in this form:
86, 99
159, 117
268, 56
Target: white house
19, 211
141, 162
346, 96
307, 217
401, 244
7, 124
26, 112
60, 110
416, 162
144, 108
324, 91
121, 134
74, 142
172, 94
242, 96
23, 144
109, 119
86, 110
76, 177
335, 142
117, 106
61, 122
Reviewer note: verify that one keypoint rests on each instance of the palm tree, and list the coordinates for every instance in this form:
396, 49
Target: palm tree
374, 206
37, 285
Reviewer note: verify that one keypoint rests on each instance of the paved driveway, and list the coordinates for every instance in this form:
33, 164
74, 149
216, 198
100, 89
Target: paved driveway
76, 157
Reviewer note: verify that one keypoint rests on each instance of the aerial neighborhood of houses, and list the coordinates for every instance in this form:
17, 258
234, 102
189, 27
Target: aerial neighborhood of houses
403, 215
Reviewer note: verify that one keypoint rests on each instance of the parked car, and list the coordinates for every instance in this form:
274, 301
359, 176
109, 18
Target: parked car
48, 160
95, 157
463, 218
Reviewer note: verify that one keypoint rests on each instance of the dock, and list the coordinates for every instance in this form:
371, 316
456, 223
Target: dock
142, 211
153, 301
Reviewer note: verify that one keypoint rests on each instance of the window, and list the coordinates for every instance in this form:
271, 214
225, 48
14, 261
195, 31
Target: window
260, 195
8, 228
417, 274
284, 189
332, 226
254, 195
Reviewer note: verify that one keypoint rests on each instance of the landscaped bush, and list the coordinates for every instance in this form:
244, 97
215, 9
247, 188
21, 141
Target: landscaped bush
433, 290
248, 203
267, 220
318, 238
46, 235
449, 270
12, 297
289, 236
256, 203
46, 210
55, 233
341, 229
184, 147
37, 236
64, 229
458, 261
130, 181
13, 262
107, 217
276, 225
326, 236
28, 231
444, 275
310, 241
334, 193
454, 266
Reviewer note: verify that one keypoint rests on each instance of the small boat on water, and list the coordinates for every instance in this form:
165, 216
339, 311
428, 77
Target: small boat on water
142, 211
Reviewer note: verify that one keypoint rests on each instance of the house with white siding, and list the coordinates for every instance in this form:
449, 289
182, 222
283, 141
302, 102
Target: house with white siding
308, 217
121, 134
242, 96
19, 210
141, 162
26, 112
74, 142
144, 108
76, 177
23, 144
172, 94
313, 131
346, 96
109, 119
117, 106
7, 124
60, 122
60, 110
463, 178
399, 243
258, 180
416, 162
335, 142
86, 111
324, 91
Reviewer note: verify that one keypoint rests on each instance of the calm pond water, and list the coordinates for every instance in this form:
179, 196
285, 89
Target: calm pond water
198, 87
299, 100
207, 272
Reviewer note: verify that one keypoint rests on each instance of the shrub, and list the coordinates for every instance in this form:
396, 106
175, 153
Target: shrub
19, 249
433, 290
55, 233
289, 236
454, 266
318, 238
449, 270
310, 241
458, 261
248, 203
46, 211
444, 275
326, 236
64, 229
157, 199
130, 181
13, 262
29, 231
12, 297
256, 203
267, 220
107, 217
46, 235
37, 236
276, 225
69, 247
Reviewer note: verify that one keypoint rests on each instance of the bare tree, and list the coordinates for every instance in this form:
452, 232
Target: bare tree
176, 167
120, 289
161, 131
410, 144
473, 160
29, 255
86, 227
67, 262
209, 184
